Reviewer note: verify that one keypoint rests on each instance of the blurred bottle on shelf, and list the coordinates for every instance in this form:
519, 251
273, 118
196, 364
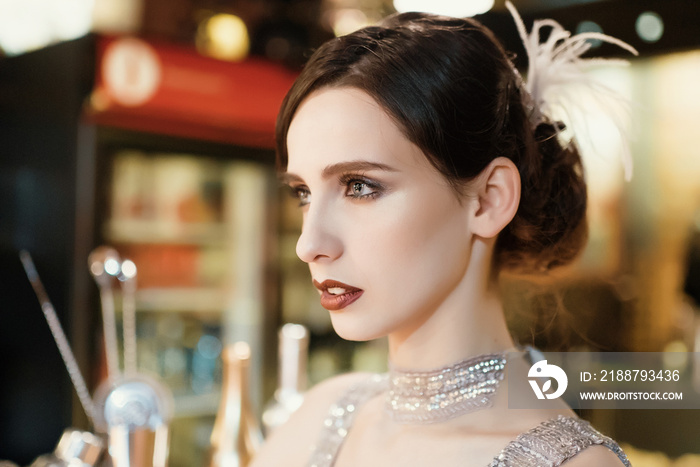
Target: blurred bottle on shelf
293, 355
236, 435
205, 357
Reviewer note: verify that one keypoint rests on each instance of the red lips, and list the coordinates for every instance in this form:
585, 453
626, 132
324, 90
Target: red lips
337, 301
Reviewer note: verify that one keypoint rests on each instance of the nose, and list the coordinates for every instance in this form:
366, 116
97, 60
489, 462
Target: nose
319, 239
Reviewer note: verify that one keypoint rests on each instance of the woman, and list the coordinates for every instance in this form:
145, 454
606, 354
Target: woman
423, 170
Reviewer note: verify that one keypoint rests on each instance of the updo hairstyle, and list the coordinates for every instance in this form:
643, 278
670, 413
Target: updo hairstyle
453, 92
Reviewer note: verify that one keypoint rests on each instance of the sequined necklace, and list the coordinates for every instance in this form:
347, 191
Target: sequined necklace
444, 393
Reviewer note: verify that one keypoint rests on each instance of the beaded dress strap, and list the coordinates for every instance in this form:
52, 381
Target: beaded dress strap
340, 418
552, 443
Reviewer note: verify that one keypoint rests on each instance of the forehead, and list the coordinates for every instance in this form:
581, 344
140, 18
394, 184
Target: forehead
339, 124
335, 107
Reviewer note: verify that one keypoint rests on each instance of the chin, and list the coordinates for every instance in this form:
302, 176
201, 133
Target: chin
354, 330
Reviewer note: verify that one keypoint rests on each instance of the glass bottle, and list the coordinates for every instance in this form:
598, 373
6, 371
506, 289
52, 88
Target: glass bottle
236, 435
293, 354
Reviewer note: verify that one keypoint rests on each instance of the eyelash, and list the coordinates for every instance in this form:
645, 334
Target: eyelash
300, 192
348, 180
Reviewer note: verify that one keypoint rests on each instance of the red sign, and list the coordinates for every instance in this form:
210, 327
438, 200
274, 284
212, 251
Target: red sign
173, 90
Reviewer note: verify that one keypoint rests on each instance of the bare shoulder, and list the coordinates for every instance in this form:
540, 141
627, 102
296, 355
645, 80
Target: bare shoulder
291, 444
597, 455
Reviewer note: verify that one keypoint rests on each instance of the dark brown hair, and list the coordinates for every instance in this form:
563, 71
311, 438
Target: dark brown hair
452, 90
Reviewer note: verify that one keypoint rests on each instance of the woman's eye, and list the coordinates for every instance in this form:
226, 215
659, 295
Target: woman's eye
302, 194
360, 189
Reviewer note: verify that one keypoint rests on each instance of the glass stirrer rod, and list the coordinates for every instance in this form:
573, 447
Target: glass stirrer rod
58, 335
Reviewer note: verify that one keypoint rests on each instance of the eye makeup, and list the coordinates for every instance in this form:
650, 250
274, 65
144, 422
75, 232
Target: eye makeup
300, 193
356, 185
360, 187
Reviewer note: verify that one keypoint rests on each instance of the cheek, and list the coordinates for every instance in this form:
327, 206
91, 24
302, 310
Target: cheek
412, 239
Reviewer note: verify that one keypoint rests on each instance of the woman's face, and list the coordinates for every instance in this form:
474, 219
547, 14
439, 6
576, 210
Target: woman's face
385, 235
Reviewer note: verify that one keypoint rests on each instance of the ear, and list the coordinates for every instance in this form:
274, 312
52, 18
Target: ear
496, 194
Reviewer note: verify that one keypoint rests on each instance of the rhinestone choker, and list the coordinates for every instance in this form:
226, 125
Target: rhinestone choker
444, 393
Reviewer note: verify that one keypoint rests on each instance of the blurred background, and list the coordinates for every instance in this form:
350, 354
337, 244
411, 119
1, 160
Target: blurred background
148, 125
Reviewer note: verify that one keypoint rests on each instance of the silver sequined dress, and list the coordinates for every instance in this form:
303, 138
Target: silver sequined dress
549, 444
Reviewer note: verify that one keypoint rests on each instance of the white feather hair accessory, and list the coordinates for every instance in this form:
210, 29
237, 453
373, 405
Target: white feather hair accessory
555, 64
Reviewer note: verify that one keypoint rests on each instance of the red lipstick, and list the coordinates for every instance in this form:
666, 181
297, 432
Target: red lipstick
336, 295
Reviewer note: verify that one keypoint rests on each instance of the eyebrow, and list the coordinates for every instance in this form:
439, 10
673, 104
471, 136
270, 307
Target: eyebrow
341, 167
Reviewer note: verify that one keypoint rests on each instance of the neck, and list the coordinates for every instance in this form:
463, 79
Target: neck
467, 323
